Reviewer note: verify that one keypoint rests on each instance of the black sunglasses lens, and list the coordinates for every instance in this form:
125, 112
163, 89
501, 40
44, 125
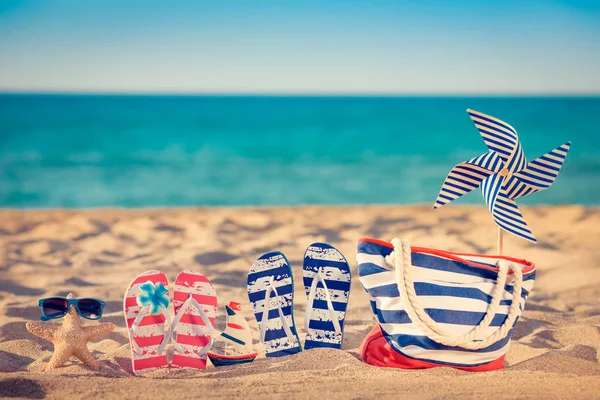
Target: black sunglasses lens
90, 309
54, 308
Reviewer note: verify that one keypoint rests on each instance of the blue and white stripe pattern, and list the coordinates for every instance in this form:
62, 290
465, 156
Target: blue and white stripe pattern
501, 138
467, 176
271, 274
539, 173
327, 280
456, 294
503, 174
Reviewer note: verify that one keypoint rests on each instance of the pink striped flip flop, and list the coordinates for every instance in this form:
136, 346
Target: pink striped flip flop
145, 306
195, 305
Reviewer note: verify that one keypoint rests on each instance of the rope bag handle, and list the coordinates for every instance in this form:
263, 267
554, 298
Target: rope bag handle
400, 259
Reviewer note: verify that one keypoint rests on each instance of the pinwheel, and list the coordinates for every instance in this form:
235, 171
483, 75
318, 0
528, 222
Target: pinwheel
503, 175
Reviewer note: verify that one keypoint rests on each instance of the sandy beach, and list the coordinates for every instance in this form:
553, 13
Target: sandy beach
96, 253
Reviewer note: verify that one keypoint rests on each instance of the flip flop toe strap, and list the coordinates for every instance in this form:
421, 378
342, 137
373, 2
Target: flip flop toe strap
193, 302
153, 299
265, 316
311, 298
144, 312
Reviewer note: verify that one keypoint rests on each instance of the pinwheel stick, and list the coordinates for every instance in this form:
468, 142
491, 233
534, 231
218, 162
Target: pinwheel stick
500, 242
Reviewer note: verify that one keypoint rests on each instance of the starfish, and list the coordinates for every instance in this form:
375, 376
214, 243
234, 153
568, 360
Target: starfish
71, 338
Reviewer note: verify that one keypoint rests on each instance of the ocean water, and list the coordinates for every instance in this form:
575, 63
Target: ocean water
146, 151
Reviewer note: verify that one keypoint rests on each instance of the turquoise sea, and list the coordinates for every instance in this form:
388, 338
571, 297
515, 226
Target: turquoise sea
146, 151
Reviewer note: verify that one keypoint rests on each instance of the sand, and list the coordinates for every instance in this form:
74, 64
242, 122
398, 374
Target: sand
96, 253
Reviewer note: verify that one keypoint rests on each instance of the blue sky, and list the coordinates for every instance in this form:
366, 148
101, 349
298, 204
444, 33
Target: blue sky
395, 47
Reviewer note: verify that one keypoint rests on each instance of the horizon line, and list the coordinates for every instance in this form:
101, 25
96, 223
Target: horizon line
297, 94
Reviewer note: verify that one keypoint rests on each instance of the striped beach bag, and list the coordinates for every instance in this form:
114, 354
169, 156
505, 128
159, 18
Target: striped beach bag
439, 308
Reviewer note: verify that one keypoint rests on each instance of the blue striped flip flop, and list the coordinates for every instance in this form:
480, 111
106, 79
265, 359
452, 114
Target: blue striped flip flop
271, 293
327, 281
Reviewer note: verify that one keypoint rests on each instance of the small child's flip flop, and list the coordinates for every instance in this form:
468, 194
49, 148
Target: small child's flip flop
327, 282
195, 306
271, 293
145, 307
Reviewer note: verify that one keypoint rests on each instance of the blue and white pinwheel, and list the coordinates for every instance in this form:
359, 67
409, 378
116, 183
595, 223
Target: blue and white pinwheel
503, 174
153, 296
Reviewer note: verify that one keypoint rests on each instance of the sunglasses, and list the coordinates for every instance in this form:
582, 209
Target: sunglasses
58, 307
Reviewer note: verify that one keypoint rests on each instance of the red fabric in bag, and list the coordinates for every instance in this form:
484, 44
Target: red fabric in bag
376, 350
